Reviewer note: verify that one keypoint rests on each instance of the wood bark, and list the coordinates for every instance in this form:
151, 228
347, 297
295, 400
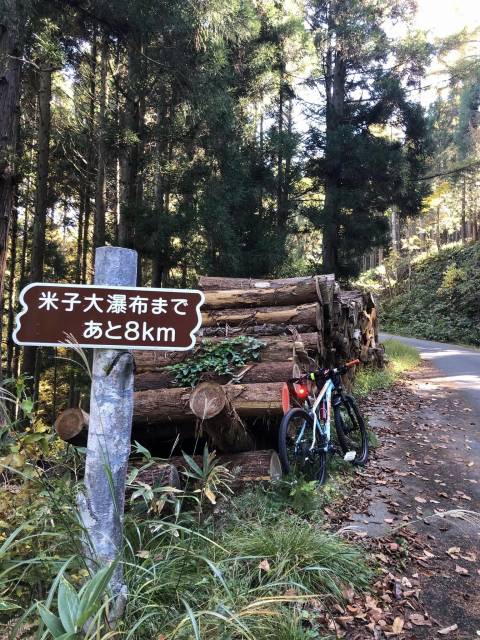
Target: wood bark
11, 51
276, 349
71, 425
11, 290
209, 283
158, 258
335, 78
210, 403
101, 507
163, 474
463, 212
172, 405
294, 294
100, 182
129, 152
259, 331
252, 372
250, 466
307, 314
90, 170
281, 214
41, 198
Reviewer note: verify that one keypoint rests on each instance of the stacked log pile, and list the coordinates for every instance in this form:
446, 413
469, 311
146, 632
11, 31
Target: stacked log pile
302, 323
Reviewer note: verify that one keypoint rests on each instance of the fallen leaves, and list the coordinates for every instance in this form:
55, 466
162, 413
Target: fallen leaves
447, 630
397, 626
264, 565
408, 488
461, 570
419, 620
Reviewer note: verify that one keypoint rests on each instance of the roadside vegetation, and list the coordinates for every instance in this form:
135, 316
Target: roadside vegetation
400, 358
263, 563
439, 301
260, 564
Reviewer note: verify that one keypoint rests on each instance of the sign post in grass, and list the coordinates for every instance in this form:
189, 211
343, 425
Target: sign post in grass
111, 409
113, 317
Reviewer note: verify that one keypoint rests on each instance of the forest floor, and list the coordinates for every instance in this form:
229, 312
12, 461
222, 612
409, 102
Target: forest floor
411, 509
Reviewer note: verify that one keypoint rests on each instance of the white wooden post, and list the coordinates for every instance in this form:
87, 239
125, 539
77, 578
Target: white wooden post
101, 506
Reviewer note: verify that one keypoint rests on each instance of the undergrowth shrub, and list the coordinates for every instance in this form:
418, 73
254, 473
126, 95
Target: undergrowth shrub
442, 302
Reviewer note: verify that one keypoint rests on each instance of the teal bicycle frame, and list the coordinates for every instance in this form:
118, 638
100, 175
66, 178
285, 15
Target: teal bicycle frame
323, 427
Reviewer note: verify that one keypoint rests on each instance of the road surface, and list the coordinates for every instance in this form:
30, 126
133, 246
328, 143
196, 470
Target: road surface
458, 367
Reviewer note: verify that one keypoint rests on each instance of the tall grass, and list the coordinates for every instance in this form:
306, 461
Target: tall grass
401, 357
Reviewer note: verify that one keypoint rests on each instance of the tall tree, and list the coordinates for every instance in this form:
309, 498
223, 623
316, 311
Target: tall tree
360, 167
12, 32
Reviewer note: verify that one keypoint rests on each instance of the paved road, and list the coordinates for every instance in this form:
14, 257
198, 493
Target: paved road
459, 367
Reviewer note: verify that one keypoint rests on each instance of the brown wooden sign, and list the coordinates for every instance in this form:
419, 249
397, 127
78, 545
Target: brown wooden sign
108, 317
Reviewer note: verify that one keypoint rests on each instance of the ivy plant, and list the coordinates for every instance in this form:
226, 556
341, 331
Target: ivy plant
222, 358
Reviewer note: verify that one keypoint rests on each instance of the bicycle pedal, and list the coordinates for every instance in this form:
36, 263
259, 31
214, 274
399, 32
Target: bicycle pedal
350, 456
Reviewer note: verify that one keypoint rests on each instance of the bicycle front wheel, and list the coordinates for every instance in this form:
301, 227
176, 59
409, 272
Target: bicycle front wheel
295, 447
351, 430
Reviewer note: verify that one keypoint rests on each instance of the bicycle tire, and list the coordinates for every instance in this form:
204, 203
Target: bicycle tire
314, 469
355, 417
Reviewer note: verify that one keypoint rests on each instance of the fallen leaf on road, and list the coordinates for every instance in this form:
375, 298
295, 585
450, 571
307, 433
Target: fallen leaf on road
397, 625
419, 499
453, 551
419, 620
447, 630
461, 570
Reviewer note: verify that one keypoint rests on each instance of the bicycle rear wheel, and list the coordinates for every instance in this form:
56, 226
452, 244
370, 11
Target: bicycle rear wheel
294, 447
351, 430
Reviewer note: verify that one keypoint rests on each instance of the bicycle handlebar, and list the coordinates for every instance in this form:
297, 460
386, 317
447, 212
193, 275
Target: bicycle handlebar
326, 373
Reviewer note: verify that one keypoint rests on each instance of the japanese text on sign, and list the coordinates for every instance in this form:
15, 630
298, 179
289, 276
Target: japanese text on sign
97, 316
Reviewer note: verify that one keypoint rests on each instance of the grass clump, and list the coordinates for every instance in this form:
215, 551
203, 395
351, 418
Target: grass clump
401, 357
250, 569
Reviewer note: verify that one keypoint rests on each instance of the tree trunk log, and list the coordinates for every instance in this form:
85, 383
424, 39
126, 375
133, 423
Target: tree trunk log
210, 403
172, 405
41, 197
251, 372
276, 349
249, 466
306, 314
71, 425
209, 283
293, 294
12, 33
259, 330
157, 475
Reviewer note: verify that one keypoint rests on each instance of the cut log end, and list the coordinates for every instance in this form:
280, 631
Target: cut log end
207, 400
71, 423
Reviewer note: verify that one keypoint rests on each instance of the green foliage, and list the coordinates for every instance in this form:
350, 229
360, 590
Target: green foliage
400, 357
249, 568
362, 168
222, 358
75, 608
211, 478
442, 302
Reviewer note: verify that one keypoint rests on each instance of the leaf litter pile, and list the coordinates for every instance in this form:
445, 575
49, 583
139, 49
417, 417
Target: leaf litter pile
413, 509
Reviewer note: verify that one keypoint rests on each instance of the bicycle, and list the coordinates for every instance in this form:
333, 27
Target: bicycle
305, 432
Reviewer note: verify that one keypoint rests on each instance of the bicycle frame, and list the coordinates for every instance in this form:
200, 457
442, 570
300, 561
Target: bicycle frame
324, 397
